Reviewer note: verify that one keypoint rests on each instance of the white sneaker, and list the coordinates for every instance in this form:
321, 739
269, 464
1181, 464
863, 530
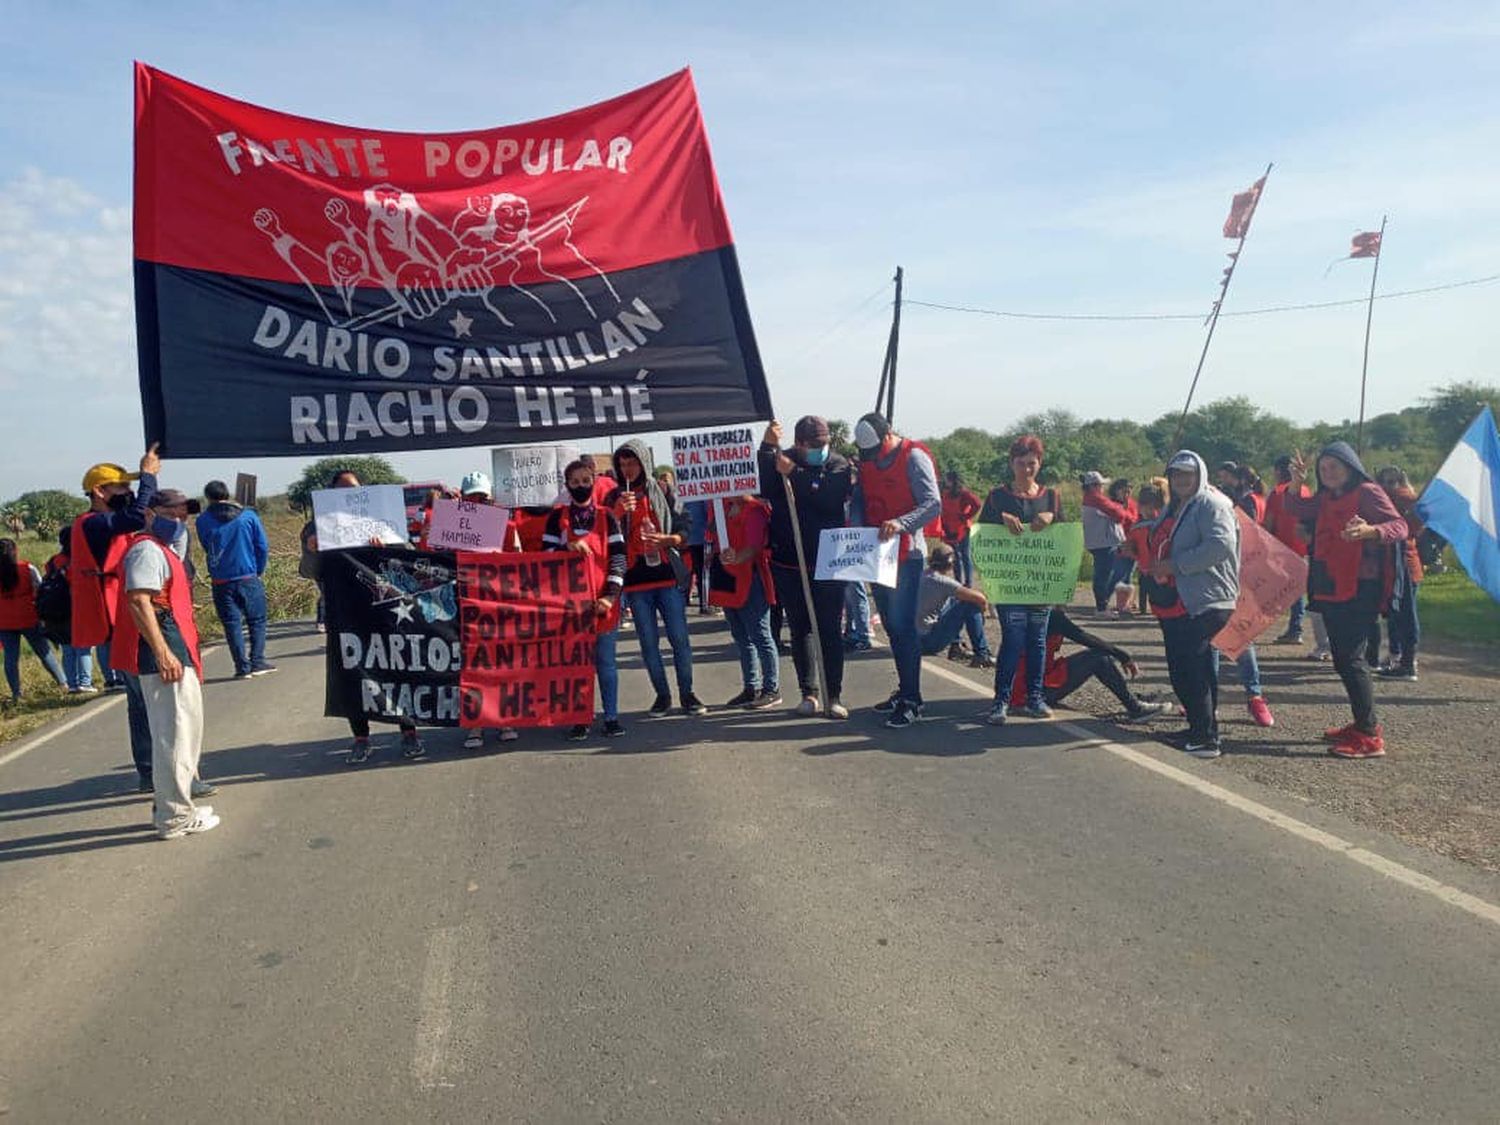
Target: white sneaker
204, 820
509, 734
808, 706
475, 740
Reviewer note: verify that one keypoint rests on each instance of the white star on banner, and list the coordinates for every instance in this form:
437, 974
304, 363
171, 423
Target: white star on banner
460, 324
402, 610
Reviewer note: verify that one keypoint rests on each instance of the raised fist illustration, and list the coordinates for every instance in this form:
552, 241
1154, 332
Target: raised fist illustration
421, 289
337, 212
267, 223
467, 274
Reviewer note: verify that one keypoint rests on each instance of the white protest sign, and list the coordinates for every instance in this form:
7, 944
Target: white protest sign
530, 476
460, 525
714, 464
856, 554
351, 517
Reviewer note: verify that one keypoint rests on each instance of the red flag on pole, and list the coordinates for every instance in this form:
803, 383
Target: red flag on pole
1365, 244
1242, 210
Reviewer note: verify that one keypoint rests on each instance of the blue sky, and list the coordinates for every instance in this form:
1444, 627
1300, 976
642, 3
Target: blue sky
1049, 157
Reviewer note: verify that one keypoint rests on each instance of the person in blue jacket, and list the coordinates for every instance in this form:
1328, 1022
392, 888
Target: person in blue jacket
236, 549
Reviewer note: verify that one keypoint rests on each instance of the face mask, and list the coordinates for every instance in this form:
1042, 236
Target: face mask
580, 492
120, 501
166, 529
816, 457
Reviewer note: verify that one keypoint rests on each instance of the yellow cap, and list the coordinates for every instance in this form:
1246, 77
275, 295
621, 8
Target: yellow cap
106, 473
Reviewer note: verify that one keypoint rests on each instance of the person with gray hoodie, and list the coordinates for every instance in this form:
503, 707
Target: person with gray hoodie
1202, 560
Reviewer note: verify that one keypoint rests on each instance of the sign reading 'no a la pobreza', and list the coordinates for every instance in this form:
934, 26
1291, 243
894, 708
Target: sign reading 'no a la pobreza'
716, 463
1032, 568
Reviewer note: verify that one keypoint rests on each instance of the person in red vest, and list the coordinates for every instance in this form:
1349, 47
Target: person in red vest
1063, 675
1286, 528
898, 493
18, 618
96, 545
960, 506
522, 533
1351, 571
156, 641
740, 583
1402, 627
582, 525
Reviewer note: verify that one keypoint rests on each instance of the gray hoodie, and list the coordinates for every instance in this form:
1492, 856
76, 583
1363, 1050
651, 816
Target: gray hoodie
1205, 552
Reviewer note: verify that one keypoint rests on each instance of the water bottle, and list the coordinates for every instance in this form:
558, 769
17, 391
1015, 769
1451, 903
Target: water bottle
648, 527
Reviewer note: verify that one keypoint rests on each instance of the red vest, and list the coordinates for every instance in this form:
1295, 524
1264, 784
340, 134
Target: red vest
741, 573
18, 607
124, 649
95, 588
1054, 673
598, 540
527, 529
1151, 544
1281, 522
888, 494
1333, 565
1258, 503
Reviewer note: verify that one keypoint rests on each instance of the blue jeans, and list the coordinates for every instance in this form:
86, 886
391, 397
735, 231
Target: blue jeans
1299, 611
898, 612
857, 607
1122, 571
37, 639
963, 562
644, 606
750, 626
239, 602
1023, 631
1248, 667
139, 723
608, 672
101, 661
1403, 628
78, 667
956, 617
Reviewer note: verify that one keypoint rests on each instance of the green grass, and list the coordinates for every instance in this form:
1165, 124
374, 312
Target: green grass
1452, 608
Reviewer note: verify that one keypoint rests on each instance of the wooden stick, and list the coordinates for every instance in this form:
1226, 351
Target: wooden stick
812, 610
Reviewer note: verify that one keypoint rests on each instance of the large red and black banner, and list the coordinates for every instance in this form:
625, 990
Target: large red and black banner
309, 288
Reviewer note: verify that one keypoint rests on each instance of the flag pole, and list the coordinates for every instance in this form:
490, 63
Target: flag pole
1364, 370
885, 396
1213, 318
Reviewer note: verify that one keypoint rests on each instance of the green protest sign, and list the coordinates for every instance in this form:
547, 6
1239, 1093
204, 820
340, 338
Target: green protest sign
1033, 568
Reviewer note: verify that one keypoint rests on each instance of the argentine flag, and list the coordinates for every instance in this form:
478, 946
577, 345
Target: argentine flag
1462, 503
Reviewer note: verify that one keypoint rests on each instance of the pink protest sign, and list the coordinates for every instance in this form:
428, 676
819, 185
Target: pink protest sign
461, 525
1272, 577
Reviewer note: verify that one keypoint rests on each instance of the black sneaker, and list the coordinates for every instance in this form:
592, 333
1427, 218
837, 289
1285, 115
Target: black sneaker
692, 705
612, 728
745, 697
1146, 708
359, 751
902, 716
957, 652
1288, 638
245, 675
145, 785
764, 699
1204, 748
889, 705
662, 706
411, 746
263, 670
578, 733
982, 661
1407, 672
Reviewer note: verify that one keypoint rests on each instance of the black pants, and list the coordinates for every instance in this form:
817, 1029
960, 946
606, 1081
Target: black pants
1191, 666
828, 604
1104, 564
1350, 625
359, 726
1085, 666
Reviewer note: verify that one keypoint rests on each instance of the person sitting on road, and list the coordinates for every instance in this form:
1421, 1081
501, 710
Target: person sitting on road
740, 583
475, 488
946, 608
1063, 675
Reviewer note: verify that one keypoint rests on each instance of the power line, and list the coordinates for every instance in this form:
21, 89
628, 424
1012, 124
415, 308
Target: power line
1014, 315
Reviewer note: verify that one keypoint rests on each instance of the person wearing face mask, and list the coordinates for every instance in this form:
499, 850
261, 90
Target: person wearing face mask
156, 642
821, 483
235, 544
97, 543
898, 493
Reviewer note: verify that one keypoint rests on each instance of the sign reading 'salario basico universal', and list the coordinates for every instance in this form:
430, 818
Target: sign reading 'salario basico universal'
308, 288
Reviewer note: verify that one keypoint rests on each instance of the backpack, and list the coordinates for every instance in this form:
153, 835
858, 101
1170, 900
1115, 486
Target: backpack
54, 606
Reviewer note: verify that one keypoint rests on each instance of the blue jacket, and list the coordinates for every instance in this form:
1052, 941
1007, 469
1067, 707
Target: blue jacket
234, 542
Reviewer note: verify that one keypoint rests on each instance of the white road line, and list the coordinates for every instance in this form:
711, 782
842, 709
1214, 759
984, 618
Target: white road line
1451, 895
46, 736
434, 1010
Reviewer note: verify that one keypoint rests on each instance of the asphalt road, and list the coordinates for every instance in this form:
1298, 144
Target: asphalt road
736, 917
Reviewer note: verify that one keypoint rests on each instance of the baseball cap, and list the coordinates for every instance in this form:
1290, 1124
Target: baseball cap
106, 473
870, 431
810, 428
475, 483
1092, 477
1183, 462
173, 497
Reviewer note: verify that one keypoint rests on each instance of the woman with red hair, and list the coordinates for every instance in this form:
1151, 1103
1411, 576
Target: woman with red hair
1022, 505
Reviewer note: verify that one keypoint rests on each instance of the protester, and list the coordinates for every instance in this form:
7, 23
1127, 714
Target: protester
1288, 531
898, 493
96, 545
740, 583
237, 551
156, 641
1403, 630
960, 506
1020, 505
1100, 660
822, 483
604, 482
1202, 559
476, 489
947, 608
652, 542
582, 525
1124, 566
697, 515
1248, 494
1356, 532
77, 663
1104, 524
19, 581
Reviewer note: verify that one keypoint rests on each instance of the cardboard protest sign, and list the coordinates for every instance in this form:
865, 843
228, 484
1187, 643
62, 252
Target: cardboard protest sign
1033, 568
460, 525
1272, 577
393, 645
351, 517
530, 476
527, 630
305, 288
716, 464
856, 554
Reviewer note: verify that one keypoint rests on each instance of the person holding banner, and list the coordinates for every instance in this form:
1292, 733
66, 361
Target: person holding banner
1201, 558
898, 493
1351, 572
740, 583
476, 489
581, 525
821, 485
652, 587
1019, 505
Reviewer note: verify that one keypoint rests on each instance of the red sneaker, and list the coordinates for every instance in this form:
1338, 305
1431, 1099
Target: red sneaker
1260, 711
1338, 734
1358, 744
